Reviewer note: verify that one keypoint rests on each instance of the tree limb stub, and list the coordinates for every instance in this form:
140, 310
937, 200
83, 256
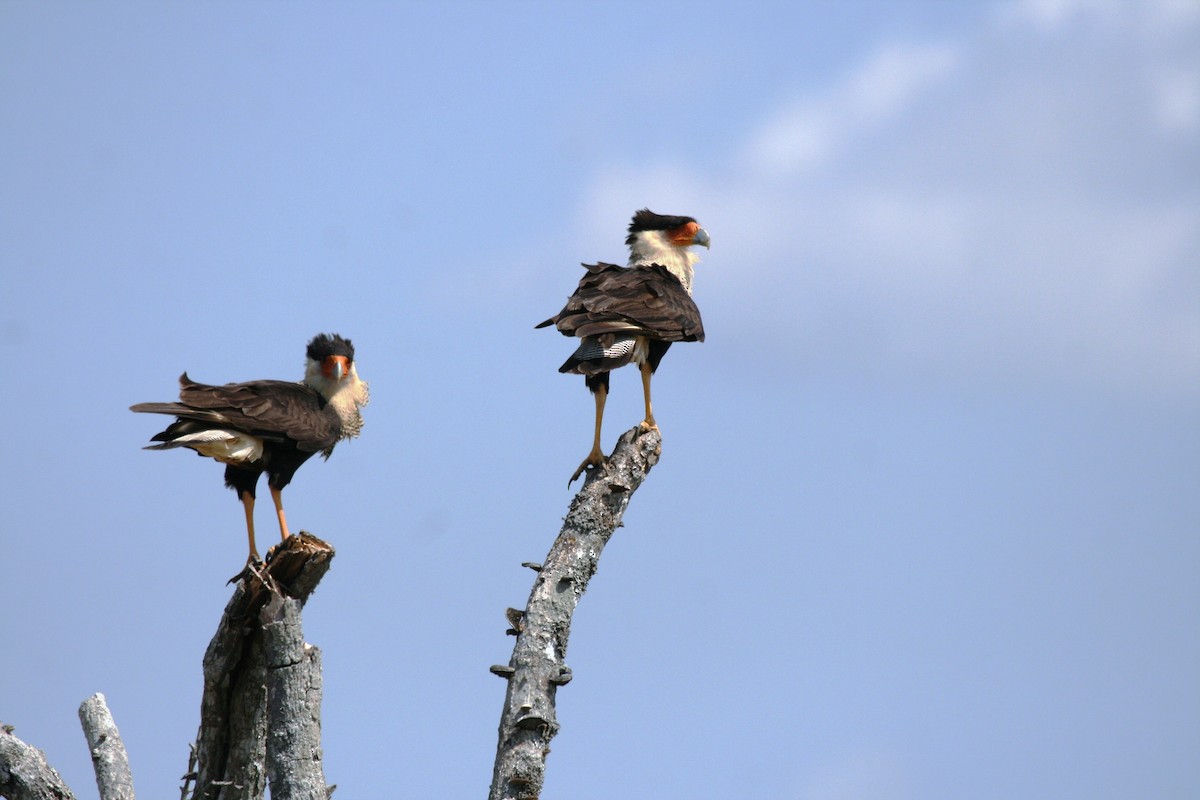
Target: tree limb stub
109, 759
231, 747
24, 773
537, 668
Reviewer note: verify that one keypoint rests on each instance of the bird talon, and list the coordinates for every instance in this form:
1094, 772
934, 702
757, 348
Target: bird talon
632, 314
251, 568
593, 460
289, 422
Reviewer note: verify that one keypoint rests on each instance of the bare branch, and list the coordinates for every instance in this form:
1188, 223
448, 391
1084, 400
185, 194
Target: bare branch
109, 759
24, 773
231, 747
537, 667
293, 705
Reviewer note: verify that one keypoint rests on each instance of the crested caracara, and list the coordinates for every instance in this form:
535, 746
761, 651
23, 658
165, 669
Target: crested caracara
632, 314
268, 426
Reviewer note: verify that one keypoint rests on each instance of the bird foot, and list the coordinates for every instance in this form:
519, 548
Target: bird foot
253, 562
647, 425
594, 459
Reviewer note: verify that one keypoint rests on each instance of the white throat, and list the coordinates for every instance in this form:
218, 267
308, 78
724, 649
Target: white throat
346, 396
653, 247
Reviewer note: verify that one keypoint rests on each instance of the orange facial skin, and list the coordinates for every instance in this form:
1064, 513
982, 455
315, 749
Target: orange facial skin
335, 367
684, 235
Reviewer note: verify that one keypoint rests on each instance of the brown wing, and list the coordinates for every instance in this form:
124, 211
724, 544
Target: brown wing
644, 300
272, 410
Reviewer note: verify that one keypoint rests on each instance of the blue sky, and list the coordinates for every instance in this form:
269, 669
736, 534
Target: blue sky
926, 522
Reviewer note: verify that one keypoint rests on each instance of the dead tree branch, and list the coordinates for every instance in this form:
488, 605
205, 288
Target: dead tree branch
229, 757
24, 773
109, 759
537, 667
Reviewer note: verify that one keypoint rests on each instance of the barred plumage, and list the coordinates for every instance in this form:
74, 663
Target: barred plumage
632, 314
600, 354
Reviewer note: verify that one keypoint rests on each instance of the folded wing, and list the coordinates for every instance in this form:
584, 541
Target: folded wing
641, 300
276, 411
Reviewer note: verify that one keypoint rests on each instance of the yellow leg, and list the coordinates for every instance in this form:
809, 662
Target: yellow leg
248, 504
596, 457
648, 423
277, 496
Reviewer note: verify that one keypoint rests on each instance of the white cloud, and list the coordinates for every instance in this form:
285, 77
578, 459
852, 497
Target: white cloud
1012, 209
1050, 16
896, 76
809, 132
795, 139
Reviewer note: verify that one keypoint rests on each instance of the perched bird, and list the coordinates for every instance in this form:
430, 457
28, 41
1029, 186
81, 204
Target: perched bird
268, 426
631, 315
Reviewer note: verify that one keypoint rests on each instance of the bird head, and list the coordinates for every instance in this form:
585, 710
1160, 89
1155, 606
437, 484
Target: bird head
662, 239
332, 355
653, 237
332, 373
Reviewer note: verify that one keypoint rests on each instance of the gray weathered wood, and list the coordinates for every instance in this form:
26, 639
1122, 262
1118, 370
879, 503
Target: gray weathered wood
24, 773
231, 744
229, 757
294, 766
537, 667
109, 759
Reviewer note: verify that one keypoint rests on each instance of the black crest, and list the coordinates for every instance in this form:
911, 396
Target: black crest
647, 220
325, 345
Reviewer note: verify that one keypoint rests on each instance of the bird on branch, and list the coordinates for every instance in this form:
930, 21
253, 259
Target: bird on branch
632, 314
268, 426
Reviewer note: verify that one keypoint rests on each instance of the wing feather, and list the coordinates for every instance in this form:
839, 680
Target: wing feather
272, 410
644, 300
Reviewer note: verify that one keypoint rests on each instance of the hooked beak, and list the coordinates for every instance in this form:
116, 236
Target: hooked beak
335, 367
701, 238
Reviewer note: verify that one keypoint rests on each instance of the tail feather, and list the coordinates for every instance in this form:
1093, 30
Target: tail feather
168, 445
158, 408
181, 411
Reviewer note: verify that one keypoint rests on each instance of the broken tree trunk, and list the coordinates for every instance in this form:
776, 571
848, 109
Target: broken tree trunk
259, 677
24, 773
293, 705
229, 759
537, 667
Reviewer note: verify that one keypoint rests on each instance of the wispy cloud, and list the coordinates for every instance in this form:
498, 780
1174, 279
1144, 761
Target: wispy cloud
809, 132
1011, 204
1057, 15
